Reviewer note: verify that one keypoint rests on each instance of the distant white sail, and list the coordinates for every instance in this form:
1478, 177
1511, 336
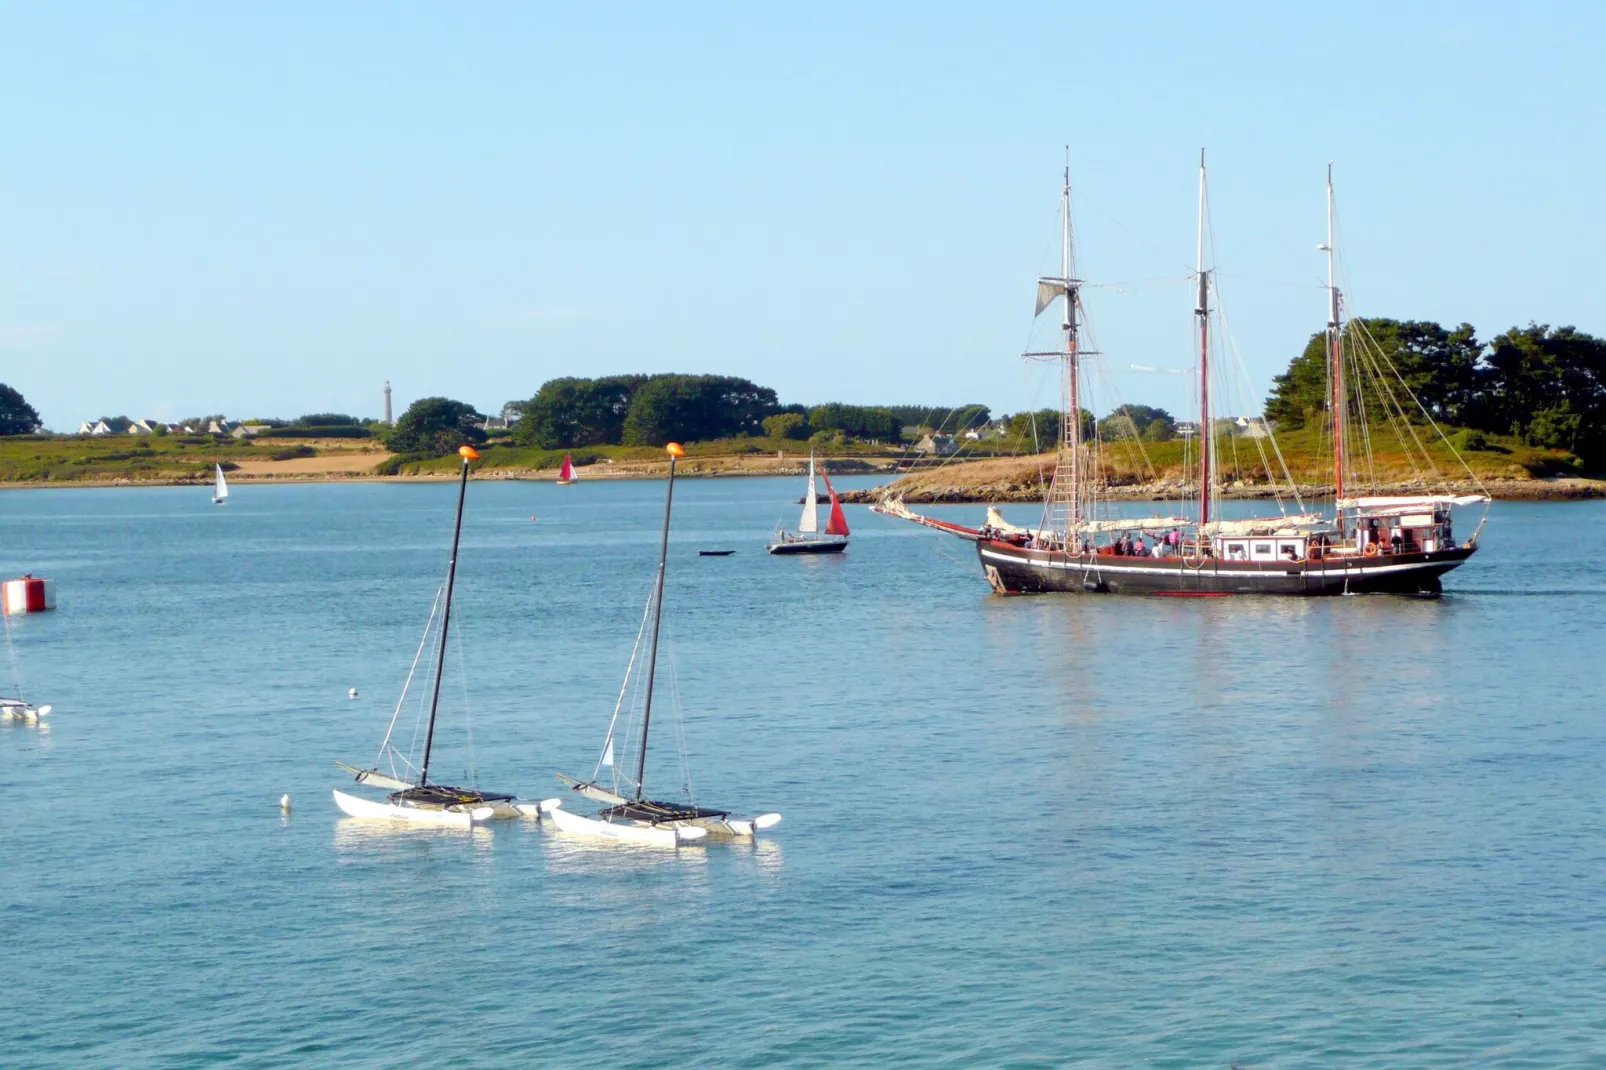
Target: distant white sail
222, 490
607, 755
809, 523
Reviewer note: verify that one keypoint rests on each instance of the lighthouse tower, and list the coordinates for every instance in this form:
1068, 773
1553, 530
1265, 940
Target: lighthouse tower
387, 401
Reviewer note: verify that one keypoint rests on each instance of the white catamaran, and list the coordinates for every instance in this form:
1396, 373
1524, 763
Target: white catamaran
220, 489
628, 816
412, 797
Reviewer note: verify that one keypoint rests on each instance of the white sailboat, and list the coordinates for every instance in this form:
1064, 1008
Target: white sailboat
628, 816
807, 540
412, 797
220, 490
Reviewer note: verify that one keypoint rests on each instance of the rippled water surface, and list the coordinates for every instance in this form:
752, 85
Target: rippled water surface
1019, 831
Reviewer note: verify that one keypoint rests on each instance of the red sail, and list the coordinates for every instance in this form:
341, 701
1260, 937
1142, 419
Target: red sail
838, 524
567, 471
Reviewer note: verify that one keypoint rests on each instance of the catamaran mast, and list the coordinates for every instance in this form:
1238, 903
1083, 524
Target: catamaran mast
675, 453
1335, 354
1202, 310
468, 454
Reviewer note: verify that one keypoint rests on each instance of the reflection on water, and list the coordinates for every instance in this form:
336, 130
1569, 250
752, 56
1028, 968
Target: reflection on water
353, 833
573, 852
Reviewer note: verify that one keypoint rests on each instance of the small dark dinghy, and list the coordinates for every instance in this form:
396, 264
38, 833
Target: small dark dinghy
715, 553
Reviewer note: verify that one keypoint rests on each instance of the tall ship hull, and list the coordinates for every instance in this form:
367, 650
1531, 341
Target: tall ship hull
1013, 569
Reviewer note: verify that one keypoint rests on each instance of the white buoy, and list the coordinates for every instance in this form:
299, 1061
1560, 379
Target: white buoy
284, 803
352, 693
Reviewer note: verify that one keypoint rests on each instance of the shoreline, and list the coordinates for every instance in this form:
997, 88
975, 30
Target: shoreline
1556, 489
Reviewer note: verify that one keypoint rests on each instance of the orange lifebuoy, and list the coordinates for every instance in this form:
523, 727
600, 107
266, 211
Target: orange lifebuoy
1371, 549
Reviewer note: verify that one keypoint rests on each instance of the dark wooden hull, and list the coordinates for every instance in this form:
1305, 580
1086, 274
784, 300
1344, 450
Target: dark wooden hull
809, 546
1014, 570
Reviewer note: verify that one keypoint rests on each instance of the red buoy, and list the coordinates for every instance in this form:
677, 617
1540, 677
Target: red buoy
30, 594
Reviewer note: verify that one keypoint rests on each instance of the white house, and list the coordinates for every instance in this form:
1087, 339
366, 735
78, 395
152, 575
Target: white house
99, 427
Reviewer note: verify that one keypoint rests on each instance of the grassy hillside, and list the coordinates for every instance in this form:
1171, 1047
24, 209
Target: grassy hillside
169, 458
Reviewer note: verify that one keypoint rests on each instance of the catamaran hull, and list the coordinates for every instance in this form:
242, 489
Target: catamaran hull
16, 709
1014, 570
666, 835
369, 810
736, 828
809, 546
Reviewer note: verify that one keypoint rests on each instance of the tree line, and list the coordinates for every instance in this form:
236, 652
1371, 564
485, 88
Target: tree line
1543, 385
649, 410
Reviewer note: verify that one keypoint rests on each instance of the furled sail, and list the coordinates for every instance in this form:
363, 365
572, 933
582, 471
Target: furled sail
1304, 524
809, 523
591, 790
996, 521
374, 778
1134, 523
1408, 500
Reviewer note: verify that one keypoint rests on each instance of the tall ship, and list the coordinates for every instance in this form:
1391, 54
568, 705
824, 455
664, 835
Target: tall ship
1363, 540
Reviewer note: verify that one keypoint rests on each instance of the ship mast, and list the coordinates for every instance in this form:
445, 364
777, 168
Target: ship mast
1071, 419
1062, 506
1335, 355
1202, 311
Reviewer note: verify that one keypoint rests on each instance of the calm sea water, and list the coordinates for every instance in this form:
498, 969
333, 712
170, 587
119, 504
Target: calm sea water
1051, 831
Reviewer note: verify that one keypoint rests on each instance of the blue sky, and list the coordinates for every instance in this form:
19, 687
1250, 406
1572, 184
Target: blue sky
269, 210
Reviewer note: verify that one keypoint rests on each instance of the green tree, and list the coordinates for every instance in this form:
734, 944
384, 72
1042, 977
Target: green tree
570, 412
1438, 365
877, 423
17, 417
1548, 386
325, 419
792, 425
696, 408
1040, 430
1137, 422
946, 419
435, 425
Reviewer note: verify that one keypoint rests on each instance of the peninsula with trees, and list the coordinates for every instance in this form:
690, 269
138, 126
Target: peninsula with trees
1526, 411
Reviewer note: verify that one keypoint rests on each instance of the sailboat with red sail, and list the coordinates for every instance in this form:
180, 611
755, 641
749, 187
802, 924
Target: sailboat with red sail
807, 540
566, 476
